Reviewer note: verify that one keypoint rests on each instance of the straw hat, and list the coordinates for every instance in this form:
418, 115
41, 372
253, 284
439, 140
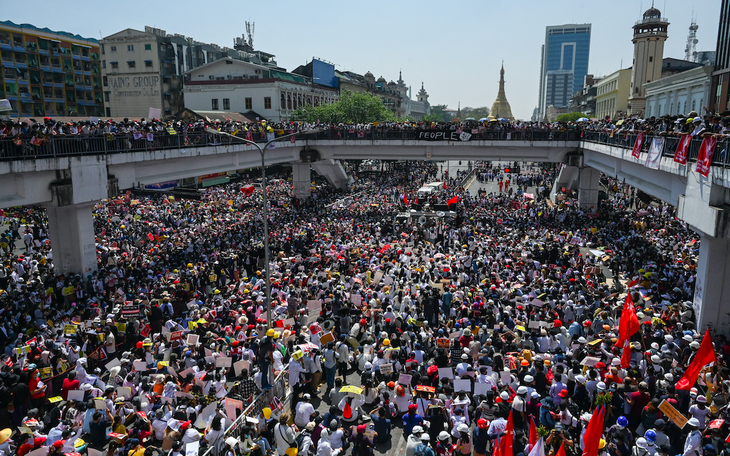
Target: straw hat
5, 435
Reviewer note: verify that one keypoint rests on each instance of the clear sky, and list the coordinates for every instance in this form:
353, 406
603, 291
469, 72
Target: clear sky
454, 47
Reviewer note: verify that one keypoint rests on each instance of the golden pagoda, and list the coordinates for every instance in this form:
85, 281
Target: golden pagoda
500, 107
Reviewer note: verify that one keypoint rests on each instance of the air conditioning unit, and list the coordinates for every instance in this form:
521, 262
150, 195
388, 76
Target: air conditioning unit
258, 71
211, 77
230, 77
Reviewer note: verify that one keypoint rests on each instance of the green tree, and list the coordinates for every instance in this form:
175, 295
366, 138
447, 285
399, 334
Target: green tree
352, 107
477, 113
570, 117
438, 114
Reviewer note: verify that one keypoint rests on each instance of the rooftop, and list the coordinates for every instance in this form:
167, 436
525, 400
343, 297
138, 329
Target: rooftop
46, 30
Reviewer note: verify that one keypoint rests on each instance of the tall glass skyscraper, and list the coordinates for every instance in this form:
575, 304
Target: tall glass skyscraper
564, 64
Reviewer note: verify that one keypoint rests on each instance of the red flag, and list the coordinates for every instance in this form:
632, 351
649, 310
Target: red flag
347, 412
629, 324
561, 451
151, 236
626, 356
533, 433
680, 156
405, 198
594, 431
508, 439
444, 184
637, 145
704, 356
704, 159
453, 200
416, 198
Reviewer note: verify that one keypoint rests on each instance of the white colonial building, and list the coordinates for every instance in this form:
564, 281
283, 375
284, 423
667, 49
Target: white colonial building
238, 86
679, 93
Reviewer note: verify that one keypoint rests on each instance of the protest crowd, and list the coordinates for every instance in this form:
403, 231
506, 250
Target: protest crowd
518, 326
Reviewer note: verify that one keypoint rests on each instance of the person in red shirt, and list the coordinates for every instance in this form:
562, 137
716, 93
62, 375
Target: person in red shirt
36, 388
70, 383
638, 400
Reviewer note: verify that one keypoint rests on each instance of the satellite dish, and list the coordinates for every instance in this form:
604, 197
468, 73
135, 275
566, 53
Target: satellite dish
441, 213
422, 220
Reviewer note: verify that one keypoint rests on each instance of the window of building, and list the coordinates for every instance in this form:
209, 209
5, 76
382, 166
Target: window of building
131, 64
694, 105
130, 47
102, 50
226, 104
267, 102
214, 104
148, 63
288, 101
295, 105
283, 100
684, 109
105, 81
106, 96
249, 103
103, 63
113, 49
147, 47
229, 62
651, 58
115, 65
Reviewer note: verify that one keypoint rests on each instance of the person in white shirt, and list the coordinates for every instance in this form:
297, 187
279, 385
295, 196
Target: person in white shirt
304, 411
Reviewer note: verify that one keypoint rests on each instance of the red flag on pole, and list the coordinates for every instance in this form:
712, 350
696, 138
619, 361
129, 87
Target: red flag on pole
626, 355
405, 198
507, 441
637, 145
680, 156
561, 451
444, 184
629, 324
533, 437
453, 200
704, 356
594, 431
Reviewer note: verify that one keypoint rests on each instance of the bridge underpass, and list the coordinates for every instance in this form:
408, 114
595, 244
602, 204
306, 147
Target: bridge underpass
69, 186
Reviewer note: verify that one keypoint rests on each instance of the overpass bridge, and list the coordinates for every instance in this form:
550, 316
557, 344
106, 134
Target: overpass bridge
69, 175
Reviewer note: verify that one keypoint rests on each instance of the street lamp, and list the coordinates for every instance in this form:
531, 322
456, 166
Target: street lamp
266, 206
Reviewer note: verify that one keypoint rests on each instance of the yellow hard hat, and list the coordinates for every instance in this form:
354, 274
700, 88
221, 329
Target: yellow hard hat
297, 354
601, 444
217, 291
293, 451
276, 335
386, 341
267, 412
270, 332
190, 265
258, 273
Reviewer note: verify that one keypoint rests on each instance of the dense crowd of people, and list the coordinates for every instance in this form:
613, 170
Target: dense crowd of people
505, 323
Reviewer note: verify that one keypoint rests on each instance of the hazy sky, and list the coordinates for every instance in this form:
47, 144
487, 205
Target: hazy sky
454, 47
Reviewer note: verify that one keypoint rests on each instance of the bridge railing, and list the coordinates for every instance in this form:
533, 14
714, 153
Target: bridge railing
721, 156
29, 148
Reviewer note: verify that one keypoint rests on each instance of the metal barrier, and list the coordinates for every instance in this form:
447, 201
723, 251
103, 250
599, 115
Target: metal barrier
29, 148
280, 389
628, 140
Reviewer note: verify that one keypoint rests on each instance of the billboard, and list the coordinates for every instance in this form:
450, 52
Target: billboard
323, 73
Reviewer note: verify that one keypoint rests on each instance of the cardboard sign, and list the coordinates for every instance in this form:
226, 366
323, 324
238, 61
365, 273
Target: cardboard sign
125, 392
446, 372
462, 385
192, 340
595, 342
223, 361
121, 327
673, 414
239, 366
100, 404
69, 329
505, 377
443, 343
590, 361
177, 335
405, 379
481, 389
112, 364
231, 405
386, 369
130, 309
75, 395
327, 338
139, 366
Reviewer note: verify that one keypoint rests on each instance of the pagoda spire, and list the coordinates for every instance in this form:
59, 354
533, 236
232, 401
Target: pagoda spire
501, 107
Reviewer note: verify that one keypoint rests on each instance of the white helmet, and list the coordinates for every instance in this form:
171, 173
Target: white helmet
443, 436
462, 427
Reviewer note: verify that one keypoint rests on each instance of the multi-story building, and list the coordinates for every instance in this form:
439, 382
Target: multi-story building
650, 33
144, 69
720, 88
47, 73
612, 93
679, 93
563, 66
238, 86
585, 100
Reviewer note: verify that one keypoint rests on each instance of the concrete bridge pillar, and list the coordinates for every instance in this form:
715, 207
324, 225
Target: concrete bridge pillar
712, 290
588, 188
71, 229
301, 180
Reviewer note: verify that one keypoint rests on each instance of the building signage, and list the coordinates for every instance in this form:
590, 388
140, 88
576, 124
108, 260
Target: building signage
446, 135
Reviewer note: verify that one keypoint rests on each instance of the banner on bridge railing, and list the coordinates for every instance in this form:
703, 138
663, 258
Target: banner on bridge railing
446, 135
704, 159
655, 153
